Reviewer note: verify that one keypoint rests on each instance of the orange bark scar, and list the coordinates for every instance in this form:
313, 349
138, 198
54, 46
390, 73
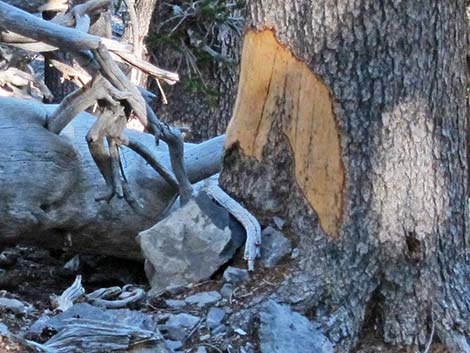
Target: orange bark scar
272, 80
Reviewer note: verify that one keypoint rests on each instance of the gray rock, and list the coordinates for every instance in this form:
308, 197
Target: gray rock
174, 344
236, 275
274, 247
201, 350
282, 330
14, 305
214, 317
186, 247
203, 299
240, 331
73, 264
204, 337
175, 290
221, 329
249, 348
173, 332
183, 320
4, 331
160, 347
8, 258
39, 325
295, 253
279, 222
175, 304
226, 290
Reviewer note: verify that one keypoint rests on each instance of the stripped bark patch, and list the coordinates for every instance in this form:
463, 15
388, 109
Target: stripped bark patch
275, 84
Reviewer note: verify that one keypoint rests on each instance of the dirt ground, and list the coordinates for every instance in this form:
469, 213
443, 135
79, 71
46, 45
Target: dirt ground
32, 275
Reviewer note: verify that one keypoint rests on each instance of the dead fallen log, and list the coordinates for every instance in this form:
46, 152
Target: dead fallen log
28, 5
48, 184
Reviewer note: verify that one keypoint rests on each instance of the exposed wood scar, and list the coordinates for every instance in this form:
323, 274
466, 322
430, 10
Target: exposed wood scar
274, 84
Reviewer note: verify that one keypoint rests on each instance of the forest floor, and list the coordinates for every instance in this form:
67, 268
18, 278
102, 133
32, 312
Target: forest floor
36, 274
33, 275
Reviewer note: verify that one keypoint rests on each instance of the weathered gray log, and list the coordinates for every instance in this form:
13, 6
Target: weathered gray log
27, 5
22, 23
48, 184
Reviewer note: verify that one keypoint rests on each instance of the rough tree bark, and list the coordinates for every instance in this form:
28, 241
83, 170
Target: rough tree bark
351, 124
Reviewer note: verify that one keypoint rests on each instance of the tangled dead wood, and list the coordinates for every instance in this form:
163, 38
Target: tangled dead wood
109, 89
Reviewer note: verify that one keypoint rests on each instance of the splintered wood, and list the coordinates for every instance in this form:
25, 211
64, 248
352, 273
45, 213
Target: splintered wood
276, 85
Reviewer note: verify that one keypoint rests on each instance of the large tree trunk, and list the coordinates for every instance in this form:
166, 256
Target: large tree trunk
48, 184
351, 124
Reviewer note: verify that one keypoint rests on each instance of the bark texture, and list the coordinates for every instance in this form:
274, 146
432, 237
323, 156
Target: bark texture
143, 11
351, 125
48, 184
209, 105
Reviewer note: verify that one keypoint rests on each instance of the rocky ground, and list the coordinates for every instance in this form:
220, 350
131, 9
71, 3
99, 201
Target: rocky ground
194, 295
204, 317
198, 318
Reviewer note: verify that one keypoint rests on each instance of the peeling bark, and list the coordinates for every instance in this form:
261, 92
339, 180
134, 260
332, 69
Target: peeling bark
395, 73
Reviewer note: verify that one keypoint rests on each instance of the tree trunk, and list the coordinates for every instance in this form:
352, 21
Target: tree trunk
350, 123
144, 10
53, 78
48, 184
208, 92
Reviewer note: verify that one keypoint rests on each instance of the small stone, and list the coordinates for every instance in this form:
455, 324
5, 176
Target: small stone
175, 290
205, 337
295, 253
162, 317
215, 317
4, 331
174, 345
175, 304
226, 290
283, 330
8, 258
274, 247
173, 332
183, 320
240, 331
73, 264
236, 275
13, 305
204, 298
39, 325
249, 348
219, 330
187, 246
279, 222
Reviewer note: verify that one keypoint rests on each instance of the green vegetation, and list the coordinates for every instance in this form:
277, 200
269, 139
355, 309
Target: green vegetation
198, 31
